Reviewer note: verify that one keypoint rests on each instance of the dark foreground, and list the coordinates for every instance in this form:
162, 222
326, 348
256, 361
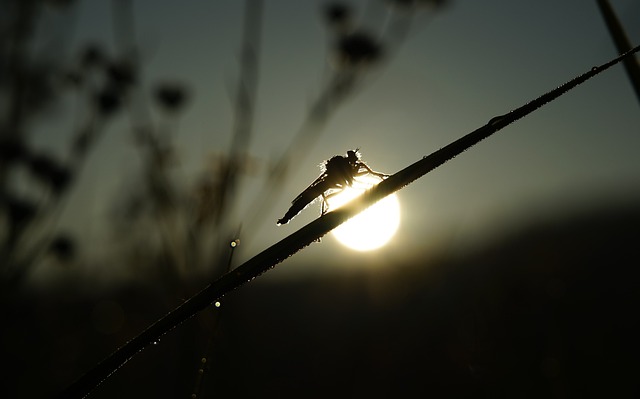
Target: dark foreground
551, 311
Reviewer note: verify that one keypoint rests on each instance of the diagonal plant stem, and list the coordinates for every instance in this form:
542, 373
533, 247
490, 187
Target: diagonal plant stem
308, 234
622, 43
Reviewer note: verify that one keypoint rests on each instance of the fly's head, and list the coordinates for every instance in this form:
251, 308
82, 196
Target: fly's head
353, 156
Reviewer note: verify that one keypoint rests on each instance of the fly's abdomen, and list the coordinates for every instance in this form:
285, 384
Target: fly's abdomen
301, 202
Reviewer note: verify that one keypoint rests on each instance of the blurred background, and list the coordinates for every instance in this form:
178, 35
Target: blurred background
139, 139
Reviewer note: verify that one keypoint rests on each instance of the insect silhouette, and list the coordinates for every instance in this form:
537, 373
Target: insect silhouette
337, 173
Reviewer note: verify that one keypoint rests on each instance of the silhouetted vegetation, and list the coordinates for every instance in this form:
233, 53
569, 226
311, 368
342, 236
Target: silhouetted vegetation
514, 319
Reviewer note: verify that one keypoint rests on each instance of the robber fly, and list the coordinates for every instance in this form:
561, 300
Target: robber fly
337, 173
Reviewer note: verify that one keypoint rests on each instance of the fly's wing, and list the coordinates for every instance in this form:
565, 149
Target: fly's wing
313, 187
316, 189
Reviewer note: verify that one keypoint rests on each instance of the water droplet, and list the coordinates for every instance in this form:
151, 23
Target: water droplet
595, 68
234, 243
200, 371
495, 120
194, 396
155, 342
203, 360
217, 304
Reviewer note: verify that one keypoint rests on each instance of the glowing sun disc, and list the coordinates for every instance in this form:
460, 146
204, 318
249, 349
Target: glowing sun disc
372, 228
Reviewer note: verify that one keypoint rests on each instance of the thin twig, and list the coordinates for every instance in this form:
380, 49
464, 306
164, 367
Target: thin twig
622, 43
244, 108
308, 234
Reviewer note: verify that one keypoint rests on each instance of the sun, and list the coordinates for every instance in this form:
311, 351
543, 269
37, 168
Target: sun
372, 228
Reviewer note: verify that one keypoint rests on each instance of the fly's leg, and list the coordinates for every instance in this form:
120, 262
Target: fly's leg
325, 200
324, 206
367, 170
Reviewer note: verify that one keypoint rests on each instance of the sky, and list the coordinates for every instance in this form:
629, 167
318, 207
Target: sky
457, 69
